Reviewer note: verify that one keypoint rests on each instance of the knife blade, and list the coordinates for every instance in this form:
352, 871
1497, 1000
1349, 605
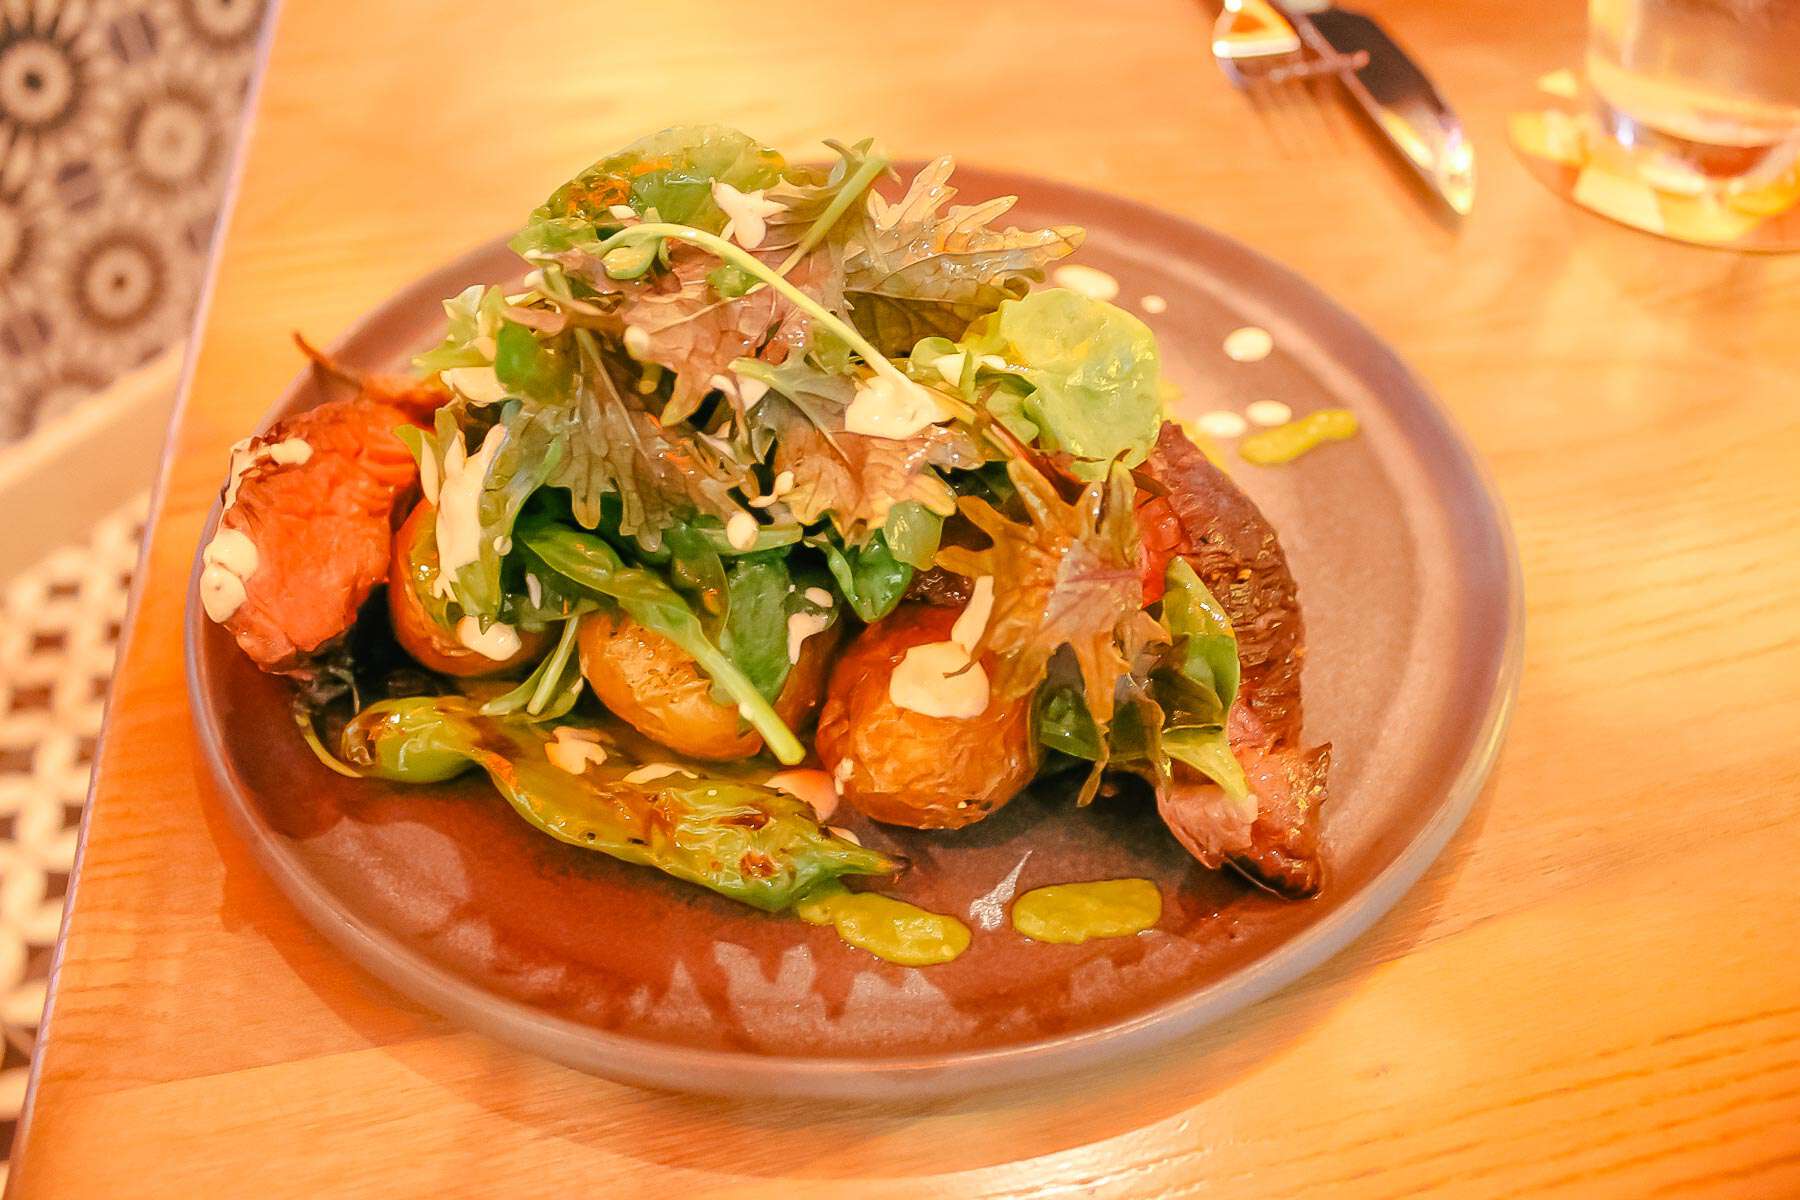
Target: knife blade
1397, 96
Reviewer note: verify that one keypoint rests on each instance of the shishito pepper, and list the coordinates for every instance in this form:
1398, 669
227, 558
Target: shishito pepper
747, 843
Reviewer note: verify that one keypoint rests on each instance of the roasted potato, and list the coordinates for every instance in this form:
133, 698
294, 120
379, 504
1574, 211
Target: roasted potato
433, 646
906, 768
657, 688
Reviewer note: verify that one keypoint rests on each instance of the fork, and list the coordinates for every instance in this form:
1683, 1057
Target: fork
1260, 52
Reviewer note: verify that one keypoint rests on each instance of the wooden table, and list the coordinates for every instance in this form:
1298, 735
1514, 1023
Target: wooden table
1595, 992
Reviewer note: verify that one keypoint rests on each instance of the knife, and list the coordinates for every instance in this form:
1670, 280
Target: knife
1396, 95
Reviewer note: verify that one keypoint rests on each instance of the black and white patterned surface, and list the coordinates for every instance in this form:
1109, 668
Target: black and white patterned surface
117, 120
60, 621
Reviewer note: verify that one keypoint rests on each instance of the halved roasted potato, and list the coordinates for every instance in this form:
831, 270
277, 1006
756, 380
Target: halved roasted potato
433, 646
905, 767
658, 689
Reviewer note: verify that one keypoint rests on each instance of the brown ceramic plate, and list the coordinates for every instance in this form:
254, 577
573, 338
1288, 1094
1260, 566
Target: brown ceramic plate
1411, 592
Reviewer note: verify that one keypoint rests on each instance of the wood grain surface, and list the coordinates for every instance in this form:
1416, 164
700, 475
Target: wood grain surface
1596, 992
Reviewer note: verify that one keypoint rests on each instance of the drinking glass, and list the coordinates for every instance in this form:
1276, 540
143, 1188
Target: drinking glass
1705, 94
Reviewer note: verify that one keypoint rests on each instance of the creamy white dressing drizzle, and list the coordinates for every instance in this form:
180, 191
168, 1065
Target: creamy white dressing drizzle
230, 558
1222, 423
428, 473
841, 773
290, 452
974, 619
892, 406
748, 213
534, 591
458, 524
1249, 344
227, 564
498, 641
1269, 412
802, 625
637, 342
1091, 282
740, 531
939, 679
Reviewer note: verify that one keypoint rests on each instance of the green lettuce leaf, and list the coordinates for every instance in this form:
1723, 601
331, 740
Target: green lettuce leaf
1093, 369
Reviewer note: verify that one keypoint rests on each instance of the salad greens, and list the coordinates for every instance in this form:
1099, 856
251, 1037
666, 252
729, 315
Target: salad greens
733, 398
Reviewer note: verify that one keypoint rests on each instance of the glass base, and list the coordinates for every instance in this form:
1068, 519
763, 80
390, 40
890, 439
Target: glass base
1731, 197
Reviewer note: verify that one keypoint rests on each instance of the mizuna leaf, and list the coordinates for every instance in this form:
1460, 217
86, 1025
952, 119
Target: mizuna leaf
1065, 576
914, 271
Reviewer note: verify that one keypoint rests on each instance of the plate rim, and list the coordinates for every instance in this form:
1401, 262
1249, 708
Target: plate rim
646, 1062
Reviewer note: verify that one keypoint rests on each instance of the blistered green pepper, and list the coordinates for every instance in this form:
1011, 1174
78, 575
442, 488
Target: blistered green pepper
745, 842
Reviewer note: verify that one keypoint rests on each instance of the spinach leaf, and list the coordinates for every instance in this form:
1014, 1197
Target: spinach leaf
869, 576
755, 633
766, 591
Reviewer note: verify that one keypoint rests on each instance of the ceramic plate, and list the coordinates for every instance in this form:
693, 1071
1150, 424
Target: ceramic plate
1410, 588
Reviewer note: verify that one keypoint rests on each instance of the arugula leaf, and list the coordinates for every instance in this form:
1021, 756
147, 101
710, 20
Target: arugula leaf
673, 172
1093, 369
1067, 575
649, 600
914, 271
